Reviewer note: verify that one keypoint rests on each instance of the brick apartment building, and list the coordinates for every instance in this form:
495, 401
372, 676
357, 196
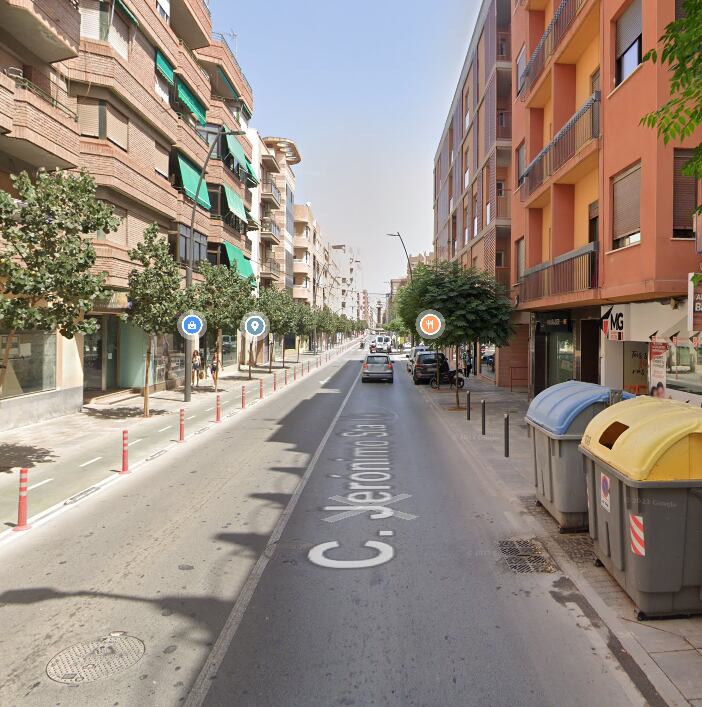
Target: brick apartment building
135, 92
473, 176
603, 237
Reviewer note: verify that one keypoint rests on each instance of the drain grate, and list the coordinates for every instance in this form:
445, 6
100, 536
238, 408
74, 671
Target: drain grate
95, 660
525, 556
578, 547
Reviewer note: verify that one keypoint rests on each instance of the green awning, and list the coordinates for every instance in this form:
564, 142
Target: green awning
251, 178
188, 97
190, 176
228, 83
235, 203
164, 68
235, 148
235, 255
127, 12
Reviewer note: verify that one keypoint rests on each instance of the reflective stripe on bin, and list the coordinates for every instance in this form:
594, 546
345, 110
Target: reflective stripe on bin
636, 531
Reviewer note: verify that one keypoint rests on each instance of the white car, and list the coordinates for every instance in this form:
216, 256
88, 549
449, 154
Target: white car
412, 356
383, 343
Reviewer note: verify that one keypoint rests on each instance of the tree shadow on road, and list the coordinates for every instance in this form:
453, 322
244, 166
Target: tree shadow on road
121, 413
248, 544
276, 499
23, 455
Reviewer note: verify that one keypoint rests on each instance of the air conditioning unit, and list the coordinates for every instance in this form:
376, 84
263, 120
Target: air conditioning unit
13, 72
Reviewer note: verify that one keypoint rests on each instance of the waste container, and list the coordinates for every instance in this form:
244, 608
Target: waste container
556, 419
643, 464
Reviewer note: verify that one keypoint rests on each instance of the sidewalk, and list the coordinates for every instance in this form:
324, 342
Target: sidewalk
668, 652
72, 453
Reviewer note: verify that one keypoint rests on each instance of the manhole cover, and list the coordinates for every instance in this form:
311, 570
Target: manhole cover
525, 556
95, 660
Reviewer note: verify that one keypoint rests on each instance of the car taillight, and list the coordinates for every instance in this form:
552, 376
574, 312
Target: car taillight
365, 365
389, 367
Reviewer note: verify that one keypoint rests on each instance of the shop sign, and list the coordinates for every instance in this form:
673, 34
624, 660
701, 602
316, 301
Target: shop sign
658, 374
554, 321
117, 301
694, 302
612, 323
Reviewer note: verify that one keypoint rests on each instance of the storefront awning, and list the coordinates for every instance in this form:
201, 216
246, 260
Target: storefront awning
190, 176
188, 97
164, 68
235, 203
235, 255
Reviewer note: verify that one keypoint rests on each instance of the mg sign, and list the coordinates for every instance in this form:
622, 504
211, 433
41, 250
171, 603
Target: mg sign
613, 323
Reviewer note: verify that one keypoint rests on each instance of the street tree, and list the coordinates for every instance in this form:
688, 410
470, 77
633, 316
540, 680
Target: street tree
398, 326
681, 52
278, 306
47, 278
325, 322
156, 298
223, 298
474, 305
303, 323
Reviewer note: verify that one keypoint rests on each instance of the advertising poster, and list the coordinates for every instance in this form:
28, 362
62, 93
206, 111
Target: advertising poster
694, 302
636, 368
657, 378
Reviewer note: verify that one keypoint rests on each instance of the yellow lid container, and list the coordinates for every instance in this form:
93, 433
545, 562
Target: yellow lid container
648, 439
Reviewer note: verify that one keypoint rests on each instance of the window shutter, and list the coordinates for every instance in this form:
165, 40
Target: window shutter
626, 197
684, 191
680, 9
161, 155
164, 8
116, 127
90, 19
628, 27
161, 87
118, 36
89, 117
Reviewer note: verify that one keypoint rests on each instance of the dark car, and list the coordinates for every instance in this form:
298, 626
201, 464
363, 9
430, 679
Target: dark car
424, 368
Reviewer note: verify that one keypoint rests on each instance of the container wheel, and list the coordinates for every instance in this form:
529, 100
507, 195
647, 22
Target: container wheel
640, 616
597, 562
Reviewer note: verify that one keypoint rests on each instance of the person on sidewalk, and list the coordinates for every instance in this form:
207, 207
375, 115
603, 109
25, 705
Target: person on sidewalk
215, 367
467, 362
197, 365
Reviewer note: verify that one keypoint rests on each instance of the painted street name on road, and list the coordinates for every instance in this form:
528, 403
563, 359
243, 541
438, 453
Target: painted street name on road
368, 493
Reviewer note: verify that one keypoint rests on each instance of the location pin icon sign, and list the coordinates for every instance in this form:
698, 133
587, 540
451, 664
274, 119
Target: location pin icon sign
255, 325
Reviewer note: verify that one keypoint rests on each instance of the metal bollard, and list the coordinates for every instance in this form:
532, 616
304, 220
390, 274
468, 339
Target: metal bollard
125, 452
218, 418
468, 405
482, 405
22, 503
181, 437
506, 434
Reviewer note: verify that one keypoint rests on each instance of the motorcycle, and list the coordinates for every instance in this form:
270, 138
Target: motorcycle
450, 377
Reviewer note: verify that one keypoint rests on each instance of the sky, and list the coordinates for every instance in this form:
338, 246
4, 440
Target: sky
364, 89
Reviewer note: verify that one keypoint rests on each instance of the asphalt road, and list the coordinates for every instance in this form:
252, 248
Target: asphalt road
262, 566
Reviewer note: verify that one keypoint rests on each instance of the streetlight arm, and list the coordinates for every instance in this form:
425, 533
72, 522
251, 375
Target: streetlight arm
404, 247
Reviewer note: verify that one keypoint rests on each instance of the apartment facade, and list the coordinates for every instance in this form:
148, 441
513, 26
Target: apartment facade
135, 93
473, 176
603, 236
348, 262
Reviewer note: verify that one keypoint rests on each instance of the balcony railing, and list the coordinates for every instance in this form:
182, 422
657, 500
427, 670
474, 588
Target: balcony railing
504, 124
575, 271
503, 204
502, 276
270, 266
582, 127
562, 19
503, 46
269, 187
218, 37
268, 225
58, 100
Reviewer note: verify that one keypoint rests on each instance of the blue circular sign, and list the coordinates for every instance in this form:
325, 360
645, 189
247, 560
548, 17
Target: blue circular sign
255, 325
192, 325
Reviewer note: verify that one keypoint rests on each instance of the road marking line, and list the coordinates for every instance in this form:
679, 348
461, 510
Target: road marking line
88, 463
136, 441
208, 409
190, 418
41, 483
163, 429
202, 684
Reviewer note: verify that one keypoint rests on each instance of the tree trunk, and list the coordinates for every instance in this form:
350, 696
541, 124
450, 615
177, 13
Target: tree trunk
271, 344
6, 358
298, 348
283, 352
458, 402
218, 348
250, 357
147, 371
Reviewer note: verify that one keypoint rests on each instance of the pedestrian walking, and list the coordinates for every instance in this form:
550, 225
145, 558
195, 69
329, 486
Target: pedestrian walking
197, 367
467, 362
215, 365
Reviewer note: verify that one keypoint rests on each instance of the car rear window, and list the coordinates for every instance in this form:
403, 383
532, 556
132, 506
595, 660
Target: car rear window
377, 359
427, 358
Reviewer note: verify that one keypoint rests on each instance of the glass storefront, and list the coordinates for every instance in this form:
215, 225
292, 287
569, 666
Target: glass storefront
169, 358
560, 357
684, 368
100, 355
32, 363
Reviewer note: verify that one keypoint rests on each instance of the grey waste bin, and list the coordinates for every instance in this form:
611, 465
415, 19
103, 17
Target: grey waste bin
556, 419
643, 463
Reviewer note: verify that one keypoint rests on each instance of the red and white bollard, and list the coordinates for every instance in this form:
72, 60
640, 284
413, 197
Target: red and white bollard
125, 452
294, 373
22, 505
286, 376
274, 382
260, 389
243, 397
181, 436
218, 417
308, 366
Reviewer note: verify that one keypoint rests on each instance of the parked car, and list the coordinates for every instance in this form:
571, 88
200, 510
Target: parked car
413, 356
228, 343
424, 368
377, 367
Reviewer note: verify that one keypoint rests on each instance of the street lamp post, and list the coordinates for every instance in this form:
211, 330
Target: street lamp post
187, 393
409, 262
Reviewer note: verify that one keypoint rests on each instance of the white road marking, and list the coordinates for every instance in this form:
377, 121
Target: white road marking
136, 441
163, 429
88, 463
386, 533
208, 409
190, 418
202, 684
41, 483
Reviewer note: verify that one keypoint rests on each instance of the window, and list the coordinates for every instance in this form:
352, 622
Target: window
684, 196
91, 19
521, 67
118, 36
32, 364
593, 223
521, 163
211, 133
163, 7
116, 127
500, 259
180, 243
89, 117
161, 159
101, 120
626, 208
628, 44
162, 88
119, 235
521, 259
500, 188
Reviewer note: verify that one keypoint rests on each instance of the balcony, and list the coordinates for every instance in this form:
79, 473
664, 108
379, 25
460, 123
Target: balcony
50, 27
302, 292
191, 21
502, 276
190, 141
302, 267
570, 139
270, 193
563, 18
222, 230
270, 162
569, 273
269, 270
503, 204
44, 130
193, 73
503, 46
270, 231
7, 103
184, 213
504, 124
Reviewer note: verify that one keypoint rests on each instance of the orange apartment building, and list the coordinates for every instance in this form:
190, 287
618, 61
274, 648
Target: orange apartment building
134, 92
473, 178
603, 236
